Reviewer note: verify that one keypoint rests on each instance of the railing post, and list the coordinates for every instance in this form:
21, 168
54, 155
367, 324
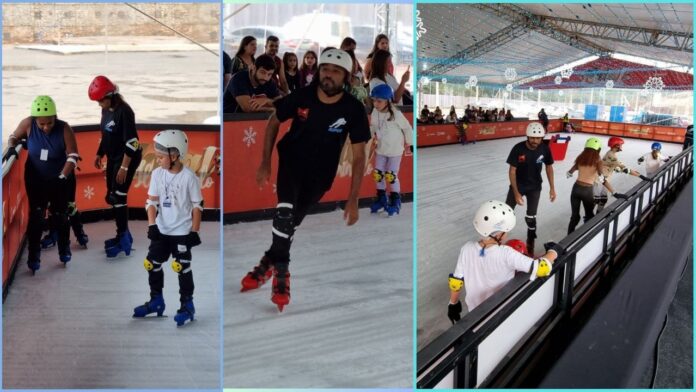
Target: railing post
465, 376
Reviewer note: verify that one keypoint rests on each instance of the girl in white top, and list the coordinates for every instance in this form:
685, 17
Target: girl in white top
654, 160
487, 265
392, 132
174, 210
381, 75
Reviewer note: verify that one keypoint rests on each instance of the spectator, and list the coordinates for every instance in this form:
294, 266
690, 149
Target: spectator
309, 68
381, 43
244, 59
544, 120
501, 115
357, 88
380, 75
252, 91
688, 137
227, 70
272, 44
452, 116
508, 115
292, 74
425, 111
349, 45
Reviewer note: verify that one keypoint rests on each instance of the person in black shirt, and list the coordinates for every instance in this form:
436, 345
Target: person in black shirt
227, 70
323, 115
253, 90
292, 71
525, 162
544, 119
121, 146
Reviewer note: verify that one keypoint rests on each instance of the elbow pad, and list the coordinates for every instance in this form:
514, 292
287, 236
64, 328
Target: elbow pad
153, 203
198, 205
455, 284
133, 145
73, 158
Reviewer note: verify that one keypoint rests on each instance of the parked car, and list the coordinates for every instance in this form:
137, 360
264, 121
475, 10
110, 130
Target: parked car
234, 37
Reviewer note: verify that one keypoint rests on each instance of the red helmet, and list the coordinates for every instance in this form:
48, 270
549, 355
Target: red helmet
100, 88
517, 245
615, 141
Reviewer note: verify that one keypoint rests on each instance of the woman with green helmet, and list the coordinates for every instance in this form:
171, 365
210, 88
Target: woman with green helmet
589, 167
48, 175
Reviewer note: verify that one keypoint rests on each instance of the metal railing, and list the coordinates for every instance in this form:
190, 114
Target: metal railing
489, 346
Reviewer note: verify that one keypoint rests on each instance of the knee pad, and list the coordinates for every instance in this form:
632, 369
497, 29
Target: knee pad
152, 266
181, 266
531, 222
378, 175
601, 200
284, 221
390, 176
117, 199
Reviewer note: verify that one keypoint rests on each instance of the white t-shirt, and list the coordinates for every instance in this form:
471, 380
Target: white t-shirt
485, 275
391, 82
177, 193
390, 135
653, 165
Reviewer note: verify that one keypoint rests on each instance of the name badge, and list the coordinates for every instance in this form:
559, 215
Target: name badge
44, 154
167, 203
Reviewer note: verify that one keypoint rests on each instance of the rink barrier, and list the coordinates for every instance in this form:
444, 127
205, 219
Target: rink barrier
243, 144
637, 131
500, 341
439, 134
202, 158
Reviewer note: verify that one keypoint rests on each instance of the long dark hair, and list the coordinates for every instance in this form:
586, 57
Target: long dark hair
316, 62
245, 41
378, 38
379, 65
286, 59
588, 157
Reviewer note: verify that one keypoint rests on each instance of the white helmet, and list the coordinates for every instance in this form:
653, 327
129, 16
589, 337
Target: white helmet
535, 129
337, 57
171, 139
494, 216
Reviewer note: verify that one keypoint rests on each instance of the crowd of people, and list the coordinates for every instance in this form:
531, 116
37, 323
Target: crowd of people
471, 115
252, 83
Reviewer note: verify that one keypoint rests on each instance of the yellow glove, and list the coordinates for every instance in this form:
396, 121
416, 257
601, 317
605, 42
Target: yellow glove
455, 284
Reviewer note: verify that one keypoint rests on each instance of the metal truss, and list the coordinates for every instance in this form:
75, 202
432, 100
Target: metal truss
661, 39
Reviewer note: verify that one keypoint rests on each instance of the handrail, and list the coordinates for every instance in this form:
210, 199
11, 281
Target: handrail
7, 165
455, 353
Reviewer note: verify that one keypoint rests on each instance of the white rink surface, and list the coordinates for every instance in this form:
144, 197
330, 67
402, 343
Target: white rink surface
350, 320
72, 328
454, 180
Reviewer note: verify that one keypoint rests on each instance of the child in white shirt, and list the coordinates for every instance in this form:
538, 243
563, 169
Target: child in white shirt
654, 160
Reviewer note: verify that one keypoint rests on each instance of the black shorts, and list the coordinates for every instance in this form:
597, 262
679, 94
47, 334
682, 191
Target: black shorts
169, 245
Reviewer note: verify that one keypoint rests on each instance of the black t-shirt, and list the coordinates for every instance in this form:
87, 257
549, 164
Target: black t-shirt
318, 132
293, 80
528, 163
241, 85
226, 63
119, 135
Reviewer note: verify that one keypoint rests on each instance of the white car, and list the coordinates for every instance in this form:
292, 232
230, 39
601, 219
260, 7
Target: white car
234, 37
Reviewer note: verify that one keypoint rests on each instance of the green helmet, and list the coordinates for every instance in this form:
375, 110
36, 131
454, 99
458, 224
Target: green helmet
593, 143
42, 106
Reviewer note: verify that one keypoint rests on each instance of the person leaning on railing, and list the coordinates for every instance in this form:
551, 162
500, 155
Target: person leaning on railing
52, 157
485, 266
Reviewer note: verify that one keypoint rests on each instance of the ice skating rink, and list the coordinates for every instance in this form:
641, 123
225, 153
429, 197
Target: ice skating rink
454, 180
349, 322
72, 328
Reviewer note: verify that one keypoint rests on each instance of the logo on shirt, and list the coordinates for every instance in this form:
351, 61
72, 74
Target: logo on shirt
336, 127
540, 159
302, 113
110, 125
521, 158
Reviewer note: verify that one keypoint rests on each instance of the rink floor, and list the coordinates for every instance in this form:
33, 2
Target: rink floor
72, 327
454, 180
349, 322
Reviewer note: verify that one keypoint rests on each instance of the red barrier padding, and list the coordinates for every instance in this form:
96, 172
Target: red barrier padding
639, 131
243, 145
437, 134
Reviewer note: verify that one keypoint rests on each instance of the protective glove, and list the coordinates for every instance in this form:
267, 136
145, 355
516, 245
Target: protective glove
640, 160
193, 239
153, 233
11, 152
454, 312
620, 196
644, 178
552, 246
569, 175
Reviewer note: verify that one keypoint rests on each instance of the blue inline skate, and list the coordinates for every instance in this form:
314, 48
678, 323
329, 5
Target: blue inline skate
154, 305
185, 313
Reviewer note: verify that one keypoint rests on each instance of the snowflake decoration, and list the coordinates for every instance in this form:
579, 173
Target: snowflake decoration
558, 80
444, 80
508, 87
249, 136
609, 84
420, 30
88, 192
560, 93
467, 85
506, 94
654, 83
566, 73
473, 81
531, 89
510, 74
424, 80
